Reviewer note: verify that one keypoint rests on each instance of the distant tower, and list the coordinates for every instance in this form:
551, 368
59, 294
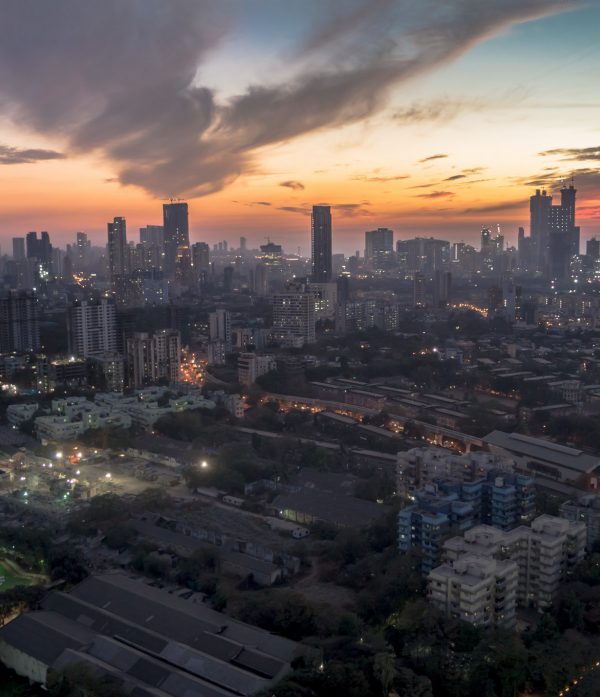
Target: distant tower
117, 248
321, 244
539, 210
419, 289
176, 236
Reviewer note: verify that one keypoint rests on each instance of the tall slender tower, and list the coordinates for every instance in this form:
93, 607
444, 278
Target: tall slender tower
539, 209
177, 238
117, 249
321, 244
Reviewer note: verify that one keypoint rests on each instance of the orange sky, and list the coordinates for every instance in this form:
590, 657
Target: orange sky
487, 115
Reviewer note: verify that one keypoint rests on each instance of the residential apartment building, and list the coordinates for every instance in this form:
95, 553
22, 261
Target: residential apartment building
544, 553
585, 509
154, 357
421, 466
294, 316
497, 499
480, 591
252, 366
92, 328
19, 328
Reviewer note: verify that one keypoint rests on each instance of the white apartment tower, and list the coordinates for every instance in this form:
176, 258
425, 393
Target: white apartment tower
294, 316
92, 328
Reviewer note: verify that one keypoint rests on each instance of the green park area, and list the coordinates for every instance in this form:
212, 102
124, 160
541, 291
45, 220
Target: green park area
12, 575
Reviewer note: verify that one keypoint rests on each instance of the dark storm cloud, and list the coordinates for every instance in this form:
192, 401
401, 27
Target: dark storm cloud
18, 156
579, 154
294, 185
120, 78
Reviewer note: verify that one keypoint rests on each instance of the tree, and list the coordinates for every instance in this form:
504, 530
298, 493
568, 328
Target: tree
384, 670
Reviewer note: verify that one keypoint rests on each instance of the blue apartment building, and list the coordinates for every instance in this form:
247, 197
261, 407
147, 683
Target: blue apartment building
453, 506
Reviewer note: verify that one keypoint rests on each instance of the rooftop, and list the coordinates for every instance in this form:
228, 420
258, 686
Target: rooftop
560, 455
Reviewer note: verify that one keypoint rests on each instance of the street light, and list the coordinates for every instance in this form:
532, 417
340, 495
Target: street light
204, 464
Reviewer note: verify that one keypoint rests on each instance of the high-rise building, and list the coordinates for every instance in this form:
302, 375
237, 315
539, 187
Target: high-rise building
200, 257
219, 327
153, 235
118, 253
155, 357
422, 254
379, 248
564, 237
321, 244
592, 248
82, 251
92, 328
176, 240
555, 238
442, 286
18, 247
418, 289
243, 244
228, 279
19, 328
39, 249
539, 212
544, 554
294, 316
252, 366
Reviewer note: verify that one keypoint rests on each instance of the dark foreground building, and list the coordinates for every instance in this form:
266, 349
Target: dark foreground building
156, 643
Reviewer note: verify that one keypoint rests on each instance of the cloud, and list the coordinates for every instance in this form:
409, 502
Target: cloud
454, 177
437, 194
140, 100
381, 179
514, 205
295, 209
352, 210
294, 185
443, 109
260, 203
18, 156
441, 156
579, 154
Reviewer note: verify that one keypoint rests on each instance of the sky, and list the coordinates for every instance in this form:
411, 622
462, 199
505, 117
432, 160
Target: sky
434, 117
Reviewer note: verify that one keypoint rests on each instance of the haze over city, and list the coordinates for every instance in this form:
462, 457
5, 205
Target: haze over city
299, 348
404, 115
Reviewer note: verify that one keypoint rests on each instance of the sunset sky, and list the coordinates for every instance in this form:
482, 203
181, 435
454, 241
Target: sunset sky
431, 117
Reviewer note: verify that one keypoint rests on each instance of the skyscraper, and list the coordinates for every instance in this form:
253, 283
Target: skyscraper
321, 244
379, 248
177, 239
18, 246
592, 248
153, 357
539, 210
117, 249
82, 250
219, 326
92, 328
152, 234
19, 328
294, 316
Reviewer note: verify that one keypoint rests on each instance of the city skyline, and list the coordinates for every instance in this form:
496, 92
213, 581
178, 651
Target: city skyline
501, 109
